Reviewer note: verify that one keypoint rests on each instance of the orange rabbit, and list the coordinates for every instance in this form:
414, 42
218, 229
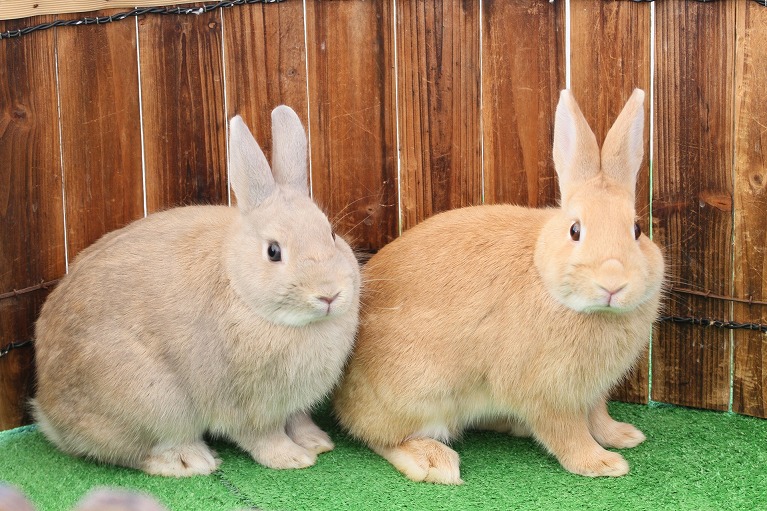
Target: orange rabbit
512, 318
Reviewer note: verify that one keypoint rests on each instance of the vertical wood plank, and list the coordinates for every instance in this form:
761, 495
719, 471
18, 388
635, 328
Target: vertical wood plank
610, 47
265, 55
182, 90
352, 116
692, 196
439, 106
17, 368
31, 211
750, 364
101, 129
523, 70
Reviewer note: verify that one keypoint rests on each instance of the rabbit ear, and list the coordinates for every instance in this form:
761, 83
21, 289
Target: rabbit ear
249, 171
623, 150
576, 153
289, 149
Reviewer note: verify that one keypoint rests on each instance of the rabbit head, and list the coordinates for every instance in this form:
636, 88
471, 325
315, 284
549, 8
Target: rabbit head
592, 255
285, 259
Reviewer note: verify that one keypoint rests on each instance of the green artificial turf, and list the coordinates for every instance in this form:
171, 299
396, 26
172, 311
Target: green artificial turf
692, 460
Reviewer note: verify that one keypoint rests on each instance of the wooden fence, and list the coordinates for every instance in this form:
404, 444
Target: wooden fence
413, 107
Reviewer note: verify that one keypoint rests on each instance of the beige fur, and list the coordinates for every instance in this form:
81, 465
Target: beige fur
178, 324
492, 316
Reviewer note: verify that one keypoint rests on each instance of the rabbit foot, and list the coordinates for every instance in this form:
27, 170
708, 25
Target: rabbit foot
280, 452
597, 464
424, 459
619, 435
308, 435
181, 461
611, 433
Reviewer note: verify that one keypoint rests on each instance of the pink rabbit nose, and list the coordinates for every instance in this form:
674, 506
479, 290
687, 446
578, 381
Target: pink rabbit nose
612, 290
329, 299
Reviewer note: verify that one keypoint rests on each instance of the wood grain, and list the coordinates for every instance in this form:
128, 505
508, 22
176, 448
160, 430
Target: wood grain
17, 370
352, 117
182, 88
610, 47
31, 211
100, 130
10, 9
523, 70
438, 68
692, 196
265, 55
750, 364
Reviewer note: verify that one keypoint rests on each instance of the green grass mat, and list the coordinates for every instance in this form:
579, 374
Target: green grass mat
692, 460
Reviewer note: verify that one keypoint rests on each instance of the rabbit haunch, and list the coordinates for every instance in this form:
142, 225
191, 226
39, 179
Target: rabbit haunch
181, 324
509, 318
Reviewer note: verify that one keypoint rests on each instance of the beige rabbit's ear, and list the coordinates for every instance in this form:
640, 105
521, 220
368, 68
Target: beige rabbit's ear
289, 149
12, 500
623, 150
104, 499
576, 153
249, 171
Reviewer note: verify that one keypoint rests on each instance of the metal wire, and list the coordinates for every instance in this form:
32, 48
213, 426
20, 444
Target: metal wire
705, 322
760, 2
14, 345
17, 292
716, 323
100, 20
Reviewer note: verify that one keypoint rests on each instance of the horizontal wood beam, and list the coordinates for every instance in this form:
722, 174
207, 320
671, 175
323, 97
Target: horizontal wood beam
14, 9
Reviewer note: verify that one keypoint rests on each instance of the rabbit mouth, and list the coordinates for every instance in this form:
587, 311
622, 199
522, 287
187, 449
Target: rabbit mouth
609, 303
605, 308
327, 305
301, 317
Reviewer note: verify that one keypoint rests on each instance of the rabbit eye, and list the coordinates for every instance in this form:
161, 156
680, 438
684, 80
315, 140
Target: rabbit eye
273, 252
575, 231
333, 233
637, 230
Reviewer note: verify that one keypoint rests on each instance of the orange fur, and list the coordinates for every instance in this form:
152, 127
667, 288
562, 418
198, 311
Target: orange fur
494, 314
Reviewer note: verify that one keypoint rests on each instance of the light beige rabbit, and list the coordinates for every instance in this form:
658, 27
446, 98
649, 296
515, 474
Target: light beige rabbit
511, 318
230, 321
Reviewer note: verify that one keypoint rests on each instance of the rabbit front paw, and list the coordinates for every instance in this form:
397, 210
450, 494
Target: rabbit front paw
181, 460
598, 463
619, 435
280, 452
303, 431
424, 459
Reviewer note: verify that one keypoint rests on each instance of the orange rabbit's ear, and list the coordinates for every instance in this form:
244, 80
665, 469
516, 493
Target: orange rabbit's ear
623, 150
576, 153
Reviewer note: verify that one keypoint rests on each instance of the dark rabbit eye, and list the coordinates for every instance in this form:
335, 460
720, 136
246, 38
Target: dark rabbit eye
575, 231
273, 252
637, 231
333, 233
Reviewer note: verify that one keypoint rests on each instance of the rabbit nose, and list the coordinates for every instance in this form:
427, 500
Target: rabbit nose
329, 299
613, 289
